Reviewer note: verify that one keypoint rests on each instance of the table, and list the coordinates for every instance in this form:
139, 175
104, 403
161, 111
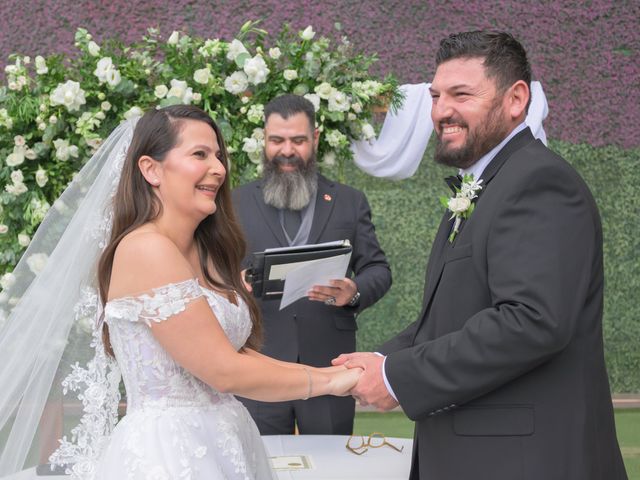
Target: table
330, 459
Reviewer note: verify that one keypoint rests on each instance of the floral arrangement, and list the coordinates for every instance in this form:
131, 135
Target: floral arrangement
461, 205
55, 111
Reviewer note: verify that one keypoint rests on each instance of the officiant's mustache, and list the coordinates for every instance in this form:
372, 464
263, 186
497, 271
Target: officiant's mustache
293, 160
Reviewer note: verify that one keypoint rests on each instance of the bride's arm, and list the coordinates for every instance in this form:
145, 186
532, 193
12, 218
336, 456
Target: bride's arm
195, 339
253, 353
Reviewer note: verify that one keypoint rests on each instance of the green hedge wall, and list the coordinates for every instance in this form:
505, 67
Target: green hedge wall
406, 214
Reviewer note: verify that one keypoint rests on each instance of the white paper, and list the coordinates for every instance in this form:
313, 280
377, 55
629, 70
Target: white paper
313, 272
291, 462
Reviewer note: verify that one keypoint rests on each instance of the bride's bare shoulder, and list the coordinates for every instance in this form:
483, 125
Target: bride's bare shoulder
146, 259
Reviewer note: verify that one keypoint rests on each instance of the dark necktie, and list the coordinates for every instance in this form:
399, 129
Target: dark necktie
292, 220
454, 182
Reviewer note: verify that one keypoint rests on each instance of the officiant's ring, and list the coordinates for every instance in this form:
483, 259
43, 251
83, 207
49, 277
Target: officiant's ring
330, 301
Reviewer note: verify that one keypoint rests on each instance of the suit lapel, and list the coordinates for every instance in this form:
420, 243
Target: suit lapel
441, 243
270, 215
325, 200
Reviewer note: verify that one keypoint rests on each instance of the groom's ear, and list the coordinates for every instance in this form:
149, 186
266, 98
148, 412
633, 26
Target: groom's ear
518, 98
150, 170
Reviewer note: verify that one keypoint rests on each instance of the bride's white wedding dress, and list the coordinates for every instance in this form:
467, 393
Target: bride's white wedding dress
176, 426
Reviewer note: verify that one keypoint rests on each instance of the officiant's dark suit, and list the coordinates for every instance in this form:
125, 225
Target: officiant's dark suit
312, 332
503, 371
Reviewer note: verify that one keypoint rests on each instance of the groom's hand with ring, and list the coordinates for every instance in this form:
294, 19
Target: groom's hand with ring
370, 389
338, 292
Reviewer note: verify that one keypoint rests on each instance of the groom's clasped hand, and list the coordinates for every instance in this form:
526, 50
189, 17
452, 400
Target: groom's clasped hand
370, 388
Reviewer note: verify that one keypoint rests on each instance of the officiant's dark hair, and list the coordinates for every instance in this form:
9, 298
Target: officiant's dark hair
219, 236
288, 105
505, 59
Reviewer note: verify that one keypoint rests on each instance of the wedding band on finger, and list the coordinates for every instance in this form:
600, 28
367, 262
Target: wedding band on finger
330, 301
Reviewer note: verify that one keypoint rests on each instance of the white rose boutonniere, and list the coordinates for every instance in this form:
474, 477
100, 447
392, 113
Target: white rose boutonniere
461, 205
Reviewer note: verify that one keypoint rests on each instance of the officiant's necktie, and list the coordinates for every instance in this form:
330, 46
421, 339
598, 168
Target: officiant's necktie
454, 182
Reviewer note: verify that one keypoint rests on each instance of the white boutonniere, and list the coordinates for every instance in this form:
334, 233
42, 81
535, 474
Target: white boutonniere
461, 205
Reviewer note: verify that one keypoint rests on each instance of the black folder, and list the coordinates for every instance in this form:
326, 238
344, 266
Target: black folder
259, 274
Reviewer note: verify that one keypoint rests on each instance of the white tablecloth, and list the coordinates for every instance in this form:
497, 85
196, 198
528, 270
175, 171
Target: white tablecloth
329, 457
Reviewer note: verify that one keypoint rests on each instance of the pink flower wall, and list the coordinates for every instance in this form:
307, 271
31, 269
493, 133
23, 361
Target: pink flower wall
586, 54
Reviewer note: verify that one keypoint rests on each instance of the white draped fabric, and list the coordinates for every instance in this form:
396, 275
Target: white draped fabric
398, 150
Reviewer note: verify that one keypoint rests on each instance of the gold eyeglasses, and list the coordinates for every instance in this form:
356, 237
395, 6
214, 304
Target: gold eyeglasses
358, 445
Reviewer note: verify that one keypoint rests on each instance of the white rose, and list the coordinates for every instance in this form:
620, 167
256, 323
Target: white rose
458, 204
256, 70
41, 65
315, 99
105, 106
41, 177
356, 107
258, 134
235, 48
23, 240
17, 177
19, 141
329, 159
275, 53
324, 90
113, 77
368, 132
161, 91
64, 150
338, 101
37, 262
53, 119
245, 100
3, 229
68, 94
16, 189
236, 83
197, 97
290, 75
93, 48
307, 33
94, 143
173, 38
104, 65
180, 89
14, 159
133, 112
7, 280
202, 75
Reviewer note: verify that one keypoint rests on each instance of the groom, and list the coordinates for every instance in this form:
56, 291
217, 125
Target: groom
503, 371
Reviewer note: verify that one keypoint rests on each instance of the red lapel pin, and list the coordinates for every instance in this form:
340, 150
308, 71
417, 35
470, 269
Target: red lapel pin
327, 197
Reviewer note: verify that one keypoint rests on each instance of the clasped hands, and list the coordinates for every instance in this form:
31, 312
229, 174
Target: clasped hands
369, 388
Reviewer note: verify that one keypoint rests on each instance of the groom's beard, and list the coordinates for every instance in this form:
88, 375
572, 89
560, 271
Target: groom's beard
289, 190
479, 141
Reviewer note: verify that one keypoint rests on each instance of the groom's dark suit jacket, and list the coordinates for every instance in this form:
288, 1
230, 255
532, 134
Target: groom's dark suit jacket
504, 370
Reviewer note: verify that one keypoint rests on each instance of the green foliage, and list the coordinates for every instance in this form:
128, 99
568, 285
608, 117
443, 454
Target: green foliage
407, 215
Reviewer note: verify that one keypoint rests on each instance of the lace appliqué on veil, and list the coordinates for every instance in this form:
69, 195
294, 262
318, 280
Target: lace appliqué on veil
98, 387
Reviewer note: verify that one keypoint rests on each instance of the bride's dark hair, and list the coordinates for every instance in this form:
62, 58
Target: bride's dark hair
218, 237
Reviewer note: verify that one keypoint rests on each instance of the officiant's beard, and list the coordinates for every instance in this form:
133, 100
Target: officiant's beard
294, 189
479, 141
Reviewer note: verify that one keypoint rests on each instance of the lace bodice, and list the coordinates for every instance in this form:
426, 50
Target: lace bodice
151, 377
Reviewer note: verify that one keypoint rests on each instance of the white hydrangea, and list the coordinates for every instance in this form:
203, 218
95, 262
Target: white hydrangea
235, 48
256, 70
202, 75
68, 94
179, 89
63, 150
335, 138
256, 113
37, 262
41, 65
41, 177
236, 83
324, 90
338, 101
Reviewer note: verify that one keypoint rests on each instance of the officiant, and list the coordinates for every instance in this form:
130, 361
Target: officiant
292, 204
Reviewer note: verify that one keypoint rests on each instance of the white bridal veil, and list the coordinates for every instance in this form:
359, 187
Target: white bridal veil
49, 341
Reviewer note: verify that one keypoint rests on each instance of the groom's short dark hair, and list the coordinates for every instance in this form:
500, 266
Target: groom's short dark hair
505, 59
288, 105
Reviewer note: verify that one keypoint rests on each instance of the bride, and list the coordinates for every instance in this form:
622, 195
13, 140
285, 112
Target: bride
171, 313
